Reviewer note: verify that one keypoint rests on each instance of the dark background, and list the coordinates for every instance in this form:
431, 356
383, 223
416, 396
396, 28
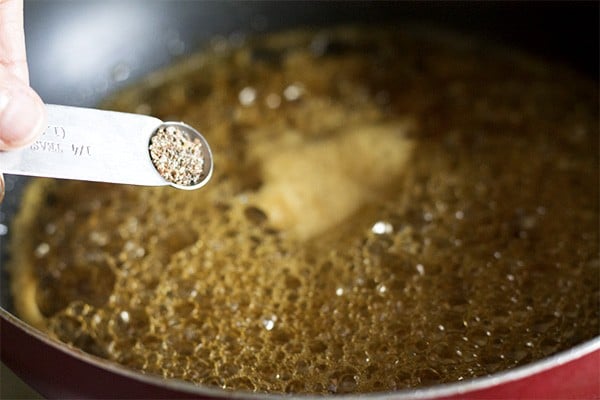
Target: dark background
81, 50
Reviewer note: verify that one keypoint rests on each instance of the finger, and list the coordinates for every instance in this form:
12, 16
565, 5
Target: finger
22, 112
12, 39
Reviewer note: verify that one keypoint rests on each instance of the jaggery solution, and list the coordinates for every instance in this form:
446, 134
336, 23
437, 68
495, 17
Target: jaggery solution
389, 210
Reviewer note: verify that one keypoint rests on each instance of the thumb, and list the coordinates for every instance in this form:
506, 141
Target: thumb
22, 112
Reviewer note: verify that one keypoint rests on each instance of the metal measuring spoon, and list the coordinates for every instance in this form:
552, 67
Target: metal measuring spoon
103, 146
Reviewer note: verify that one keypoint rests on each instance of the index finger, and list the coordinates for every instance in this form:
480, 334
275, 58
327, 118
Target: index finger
12, 38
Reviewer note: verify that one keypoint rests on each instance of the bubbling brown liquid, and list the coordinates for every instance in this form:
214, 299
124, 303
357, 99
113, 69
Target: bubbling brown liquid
465, 245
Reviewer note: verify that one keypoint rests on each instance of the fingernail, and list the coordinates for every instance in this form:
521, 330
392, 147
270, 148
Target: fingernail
22, 117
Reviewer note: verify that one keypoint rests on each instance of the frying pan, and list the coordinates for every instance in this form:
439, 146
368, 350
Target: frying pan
79, 52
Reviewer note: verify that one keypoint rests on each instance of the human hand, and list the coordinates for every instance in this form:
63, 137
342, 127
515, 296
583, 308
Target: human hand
22, 112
